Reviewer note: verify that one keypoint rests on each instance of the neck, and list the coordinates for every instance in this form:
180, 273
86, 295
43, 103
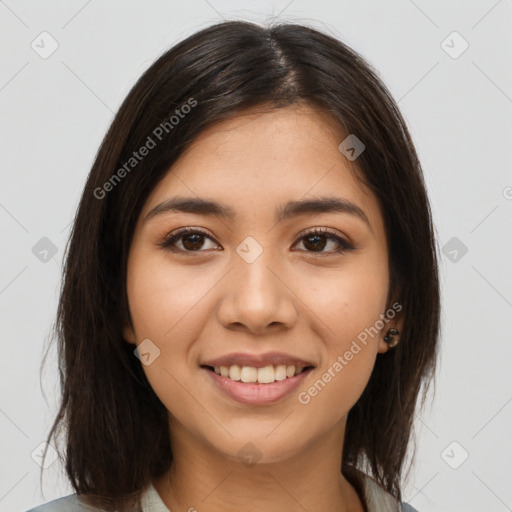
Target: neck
201, 478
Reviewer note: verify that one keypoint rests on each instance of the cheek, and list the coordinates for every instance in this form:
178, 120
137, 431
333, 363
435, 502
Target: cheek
168, 307
163, 298
339, 384
348, 304
348, 301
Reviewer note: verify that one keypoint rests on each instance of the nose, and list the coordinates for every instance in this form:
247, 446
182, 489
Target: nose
257, 297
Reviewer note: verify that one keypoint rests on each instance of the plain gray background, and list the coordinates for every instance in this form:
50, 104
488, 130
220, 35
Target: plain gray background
458, 105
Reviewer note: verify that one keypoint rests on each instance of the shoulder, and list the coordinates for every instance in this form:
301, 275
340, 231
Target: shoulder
69, 503
74, 503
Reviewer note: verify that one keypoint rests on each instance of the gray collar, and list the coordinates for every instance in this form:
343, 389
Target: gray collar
376, 497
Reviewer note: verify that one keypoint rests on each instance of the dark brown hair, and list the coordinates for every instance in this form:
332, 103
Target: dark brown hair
116, 428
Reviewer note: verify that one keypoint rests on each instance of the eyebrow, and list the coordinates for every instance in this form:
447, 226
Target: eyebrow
291, 209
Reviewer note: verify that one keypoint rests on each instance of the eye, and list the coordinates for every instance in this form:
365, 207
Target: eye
318, 239
193, 239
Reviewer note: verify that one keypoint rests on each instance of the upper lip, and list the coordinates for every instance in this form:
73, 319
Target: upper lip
257, 360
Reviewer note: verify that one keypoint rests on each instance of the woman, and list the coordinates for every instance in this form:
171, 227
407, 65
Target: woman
250, 305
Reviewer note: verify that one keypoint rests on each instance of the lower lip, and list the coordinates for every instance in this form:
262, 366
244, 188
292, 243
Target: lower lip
253, 393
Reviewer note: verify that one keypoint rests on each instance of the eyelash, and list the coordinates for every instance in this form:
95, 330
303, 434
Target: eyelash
169, 240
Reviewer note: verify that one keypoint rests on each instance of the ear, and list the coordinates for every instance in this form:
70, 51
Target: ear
129, 334
396, 319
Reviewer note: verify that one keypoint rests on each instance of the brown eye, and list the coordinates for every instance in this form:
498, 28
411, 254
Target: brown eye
316, 241
192, 240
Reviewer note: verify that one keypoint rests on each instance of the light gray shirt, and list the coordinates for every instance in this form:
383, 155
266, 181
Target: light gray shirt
377, 500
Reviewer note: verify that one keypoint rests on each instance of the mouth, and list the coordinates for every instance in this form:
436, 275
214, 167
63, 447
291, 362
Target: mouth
248, 386
258, 375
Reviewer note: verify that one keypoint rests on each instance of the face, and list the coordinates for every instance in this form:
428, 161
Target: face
307, 284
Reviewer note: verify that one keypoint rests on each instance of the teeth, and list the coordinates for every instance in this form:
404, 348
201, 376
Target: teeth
290, 371
265, 375
248, 374
233, 372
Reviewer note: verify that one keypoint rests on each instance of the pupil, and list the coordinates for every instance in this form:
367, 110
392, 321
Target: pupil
316, 244
196, 243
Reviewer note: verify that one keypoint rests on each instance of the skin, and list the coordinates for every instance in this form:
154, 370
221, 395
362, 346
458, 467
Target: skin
201, 305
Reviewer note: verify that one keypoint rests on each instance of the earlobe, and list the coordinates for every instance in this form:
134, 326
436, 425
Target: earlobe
129, 335
390, 335
389, 339
383, 346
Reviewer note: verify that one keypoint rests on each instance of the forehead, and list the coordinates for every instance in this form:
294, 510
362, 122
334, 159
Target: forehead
256, 161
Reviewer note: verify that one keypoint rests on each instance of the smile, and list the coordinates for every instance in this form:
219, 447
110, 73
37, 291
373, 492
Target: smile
257, 386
